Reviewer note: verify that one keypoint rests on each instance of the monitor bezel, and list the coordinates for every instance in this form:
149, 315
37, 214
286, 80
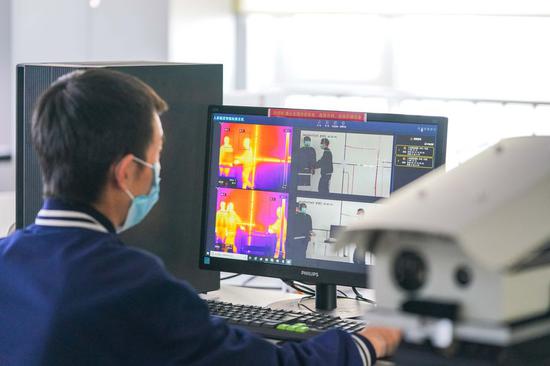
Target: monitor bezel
304, 274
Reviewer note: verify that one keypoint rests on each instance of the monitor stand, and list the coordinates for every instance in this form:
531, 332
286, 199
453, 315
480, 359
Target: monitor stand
326, 301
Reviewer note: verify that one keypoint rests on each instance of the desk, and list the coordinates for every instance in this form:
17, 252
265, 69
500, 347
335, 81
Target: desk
262, 291
249, 296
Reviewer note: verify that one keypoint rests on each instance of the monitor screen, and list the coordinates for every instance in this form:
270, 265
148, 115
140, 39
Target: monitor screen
283, 183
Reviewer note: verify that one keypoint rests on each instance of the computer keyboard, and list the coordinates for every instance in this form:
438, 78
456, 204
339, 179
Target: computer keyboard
280, 324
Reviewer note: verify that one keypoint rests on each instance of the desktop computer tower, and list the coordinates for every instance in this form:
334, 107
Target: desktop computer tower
173, 228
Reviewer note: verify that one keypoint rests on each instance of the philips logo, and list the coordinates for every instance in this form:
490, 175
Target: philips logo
229, 118
309, 273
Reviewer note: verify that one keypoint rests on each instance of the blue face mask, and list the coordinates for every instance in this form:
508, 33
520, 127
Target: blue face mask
141, 205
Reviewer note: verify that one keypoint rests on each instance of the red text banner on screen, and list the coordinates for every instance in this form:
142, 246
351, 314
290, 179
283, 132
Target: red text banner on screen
313, 114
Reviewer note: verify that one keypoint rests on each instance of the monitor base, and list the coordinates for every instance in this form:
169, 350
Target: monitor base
346, 307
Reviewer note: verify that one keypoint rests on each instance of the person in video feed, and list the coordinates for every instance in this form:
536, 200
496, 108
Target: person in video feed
279, 229
305, 162
247, 160
325, 164
303, 230
232, 223
360, 251
306, 157
226, 157
221, 223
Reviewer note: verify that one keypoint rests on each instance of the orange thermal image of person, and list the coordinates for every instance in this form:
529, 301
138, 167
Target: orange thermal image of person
221, 222
279, 228
226, 157
232, 221
247, 160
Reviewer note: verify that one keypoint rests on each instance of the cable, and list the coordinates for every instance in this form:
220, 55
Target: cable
304, 305
342, 295
310, 291
360, 297
229, 277
252, 278
305, 287
261, 287
306, 290
247, 281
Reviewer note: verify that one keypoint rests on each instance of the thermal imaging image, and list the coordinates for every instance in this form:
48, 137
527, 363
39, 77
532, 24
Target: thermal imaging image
251, 222
254, 156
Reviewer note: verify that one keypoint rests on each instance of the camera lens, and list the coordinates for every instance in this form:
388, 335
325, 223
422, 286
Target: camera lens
463, 276
409, 270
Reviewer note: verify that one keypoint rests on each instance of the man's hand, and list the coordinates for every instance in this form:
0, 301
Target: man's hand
384, 340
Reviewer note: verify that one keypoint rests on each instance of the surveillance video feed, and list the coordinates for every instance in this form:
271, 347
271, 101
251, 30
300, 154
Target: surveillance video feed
251, 222
284, 184
315, 228
254, 156
344, 163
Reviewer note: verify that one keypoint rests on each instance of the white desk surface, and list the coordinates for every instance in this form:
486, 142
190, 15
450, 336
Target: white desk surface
262, 291
249, 296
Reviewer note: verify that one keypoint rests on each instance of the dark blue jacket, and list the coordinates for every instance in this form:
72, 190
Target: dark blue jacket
325, 163
71, 293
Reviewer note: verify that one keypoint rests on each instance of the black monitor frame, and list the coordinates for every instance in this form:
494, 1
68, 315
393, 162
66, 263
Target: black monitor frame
309, 275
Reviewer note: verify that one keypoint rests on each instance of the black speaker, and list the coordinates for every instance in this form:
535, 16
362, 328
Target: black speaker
173, 228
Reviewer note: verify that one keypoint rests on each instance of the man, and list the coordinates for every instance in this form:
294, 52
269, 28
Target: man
247, 160
360, 252
279, 229
71, 293
232, 222
305, 162
226, 157
303, 230
325, 164
221, 224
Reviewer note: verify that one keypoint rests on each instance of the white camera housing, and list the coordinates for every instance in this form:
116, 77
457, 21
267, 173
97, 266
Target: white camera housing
476, 237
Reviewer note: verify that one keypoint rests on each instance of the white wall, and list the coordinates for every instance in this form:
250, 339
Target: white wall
7, 174
130, 30
69, 31
50, 30
5, 78
204, 31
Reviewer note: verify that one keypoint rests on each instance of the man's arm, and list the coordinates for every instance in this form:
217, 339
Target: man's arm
309, 226
167, 323
322, 161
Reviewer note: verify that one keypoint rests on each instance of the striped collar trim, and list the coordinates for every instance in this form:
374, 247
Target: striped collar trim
66, 218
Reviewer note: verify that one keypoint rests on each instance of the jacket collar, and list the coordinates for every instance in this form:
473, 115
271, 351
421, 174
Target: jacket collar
63, 213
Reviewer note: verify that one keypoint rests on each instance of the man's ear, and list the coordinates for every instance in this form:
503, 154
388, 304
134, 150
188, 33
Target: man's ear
123, 170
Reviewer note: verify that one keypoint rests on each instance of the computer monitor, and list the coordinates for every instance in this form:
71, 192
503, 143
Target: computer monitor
282, 182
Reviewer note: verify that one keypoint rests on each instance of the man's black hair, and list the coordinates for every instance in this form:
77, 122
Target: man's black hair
325, 141
85, 122
307, 138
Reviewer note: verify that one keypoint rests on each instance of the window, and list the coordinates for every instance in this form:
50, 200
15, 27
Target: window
486, 68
